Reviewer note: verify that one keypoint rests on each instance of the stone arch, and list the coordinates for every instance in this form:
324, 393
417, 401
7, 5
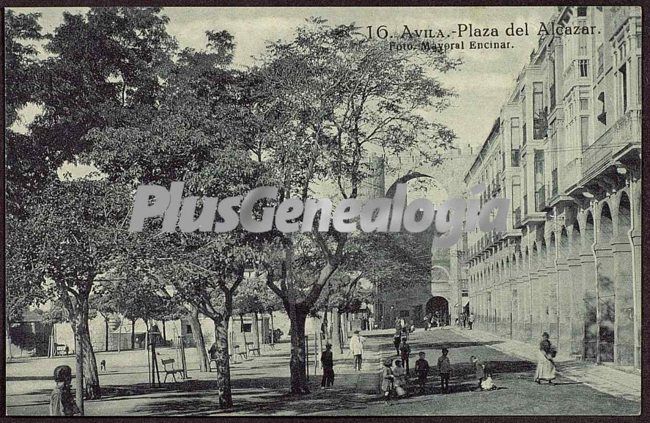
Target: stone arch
564, 248
624, 215
606, 224
575, 239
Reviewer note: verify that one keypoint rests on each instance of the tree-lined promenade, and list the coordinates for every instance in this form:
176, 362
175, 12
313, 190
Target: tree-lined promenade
115, 91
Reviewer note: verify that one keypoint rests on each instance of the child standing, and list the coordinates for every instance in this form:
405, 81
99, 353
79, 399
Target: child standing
422, 370
387, 378
61, 400
405, 351
399, 380
327, 360
479, 368
444, 369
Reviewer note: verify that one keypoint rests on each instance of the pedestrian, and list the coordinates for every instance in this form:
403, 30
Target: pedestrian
67, 350
545, 361
463, 319
422, 370
405, 351
397, 338
400, 378
471, 320
444, 369
327, 360
61, 400
479, 369
356, 349
387, 378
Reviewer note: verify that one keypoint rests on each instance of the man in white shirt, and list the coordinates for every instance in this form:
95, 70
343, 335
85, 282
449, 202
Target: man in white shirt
356, 349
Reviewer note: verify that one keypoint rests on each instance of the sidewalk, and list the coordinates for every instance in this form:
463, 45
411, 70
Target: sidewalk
603, 378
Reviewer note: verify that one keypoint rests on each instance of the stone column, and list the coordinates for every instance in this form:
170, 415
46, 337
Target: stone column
624, 304
590, 323
566, 302
606, 301
636, 241
577, 307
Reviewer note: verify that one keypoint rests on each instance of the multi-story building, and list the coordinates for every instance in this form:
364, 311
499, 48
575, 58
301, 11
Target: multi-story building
566, 149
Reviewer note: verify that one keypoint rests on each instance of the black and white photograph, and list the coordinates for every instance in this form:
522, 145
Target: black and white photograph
323, 211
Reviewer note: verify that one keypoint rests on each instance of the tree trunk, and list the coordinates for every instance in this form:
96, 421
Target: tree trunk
272, 329
133, 334
106, 327
90, 374
256, 332
79, 374
344, 328
199, 340
223, 362
164, 334
297, 362
336, 330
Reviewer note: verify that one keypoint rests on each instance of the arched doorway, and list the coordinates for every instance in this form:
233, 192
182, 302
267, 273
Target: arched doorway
438, 307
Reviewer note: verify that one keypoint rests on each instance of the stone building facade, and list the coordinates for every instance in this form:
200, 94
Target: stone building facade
566, 149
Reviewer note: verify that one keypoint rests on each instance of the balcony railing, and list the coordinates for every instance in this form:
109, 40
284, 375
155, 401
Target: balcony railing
554, 183
571, 173
540, 199
627, 130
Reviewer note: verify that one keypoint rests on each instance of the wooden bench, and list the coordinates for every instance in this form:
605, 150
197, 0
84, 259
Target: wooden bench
170, 371
237, 353
252, 351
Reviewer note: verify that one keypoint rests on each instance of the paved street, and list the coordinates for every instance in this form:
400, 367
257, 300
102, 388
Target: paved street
261, 384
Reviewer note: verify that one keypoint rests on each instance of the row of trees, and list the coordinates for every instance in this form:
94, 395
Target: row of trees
116, 92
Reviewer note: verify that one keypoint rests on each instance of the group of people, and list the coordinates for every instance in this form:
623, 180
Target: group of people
465, 320
395, 374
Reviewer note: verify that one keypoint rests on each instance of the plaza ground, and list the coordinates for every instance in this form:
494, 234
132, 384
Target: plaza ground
260, 384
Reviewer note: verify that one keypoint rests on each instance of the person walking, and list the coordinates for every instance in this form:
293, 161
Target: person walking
444, 369
470, 320
422, 370
545, 361
327, 361
405, 351
356, 349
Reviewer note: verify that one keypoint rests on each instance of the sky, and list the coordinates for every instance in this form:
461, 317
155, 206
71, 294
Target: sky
483, 82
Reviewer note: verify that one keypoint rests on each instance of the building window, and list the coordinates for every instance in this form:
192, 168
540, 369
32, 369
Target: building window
582, 11
583, 67
539, 116
622, 74
584, 132
582, 45
188, 329
602, 117
584, 104
601, 60
247, 327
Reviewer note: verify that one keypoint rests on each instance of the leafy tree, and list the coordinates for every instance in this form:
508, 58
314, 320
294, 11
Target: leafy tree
74, 230
329, 97
197, 135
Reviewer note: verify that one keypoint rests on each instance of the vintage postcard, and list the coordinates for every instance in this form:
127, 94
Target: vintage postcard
323, 211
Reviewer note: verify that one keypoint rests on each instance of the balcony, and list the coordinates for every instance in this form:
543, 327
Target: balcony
623, 134
540, 199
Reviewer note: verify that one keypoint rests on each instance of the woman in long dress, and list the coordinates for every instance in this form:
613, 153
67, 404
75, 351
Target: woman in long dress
545, 363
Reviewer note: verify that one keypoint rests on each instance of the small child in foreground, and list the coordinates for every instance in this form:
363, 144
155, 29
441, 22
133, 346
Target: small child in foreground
61, 400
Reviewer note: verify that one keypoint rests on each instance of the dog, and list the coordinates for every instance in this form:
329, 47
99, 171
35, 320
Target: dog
102, 365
